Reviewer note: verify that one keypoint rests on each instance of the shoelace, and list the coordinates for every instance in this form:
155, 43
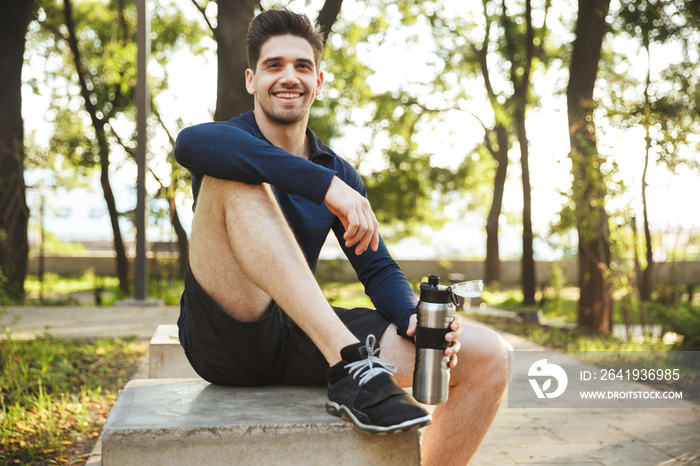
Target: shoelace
371, 365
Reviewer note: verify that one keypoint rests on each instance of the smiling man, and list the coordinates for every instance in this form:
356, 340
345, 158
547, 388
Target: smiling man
267, 193
285, 86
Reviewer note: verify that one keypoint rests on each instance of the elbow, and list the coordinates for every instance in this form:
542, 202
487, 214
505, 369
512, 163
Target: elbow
184, 146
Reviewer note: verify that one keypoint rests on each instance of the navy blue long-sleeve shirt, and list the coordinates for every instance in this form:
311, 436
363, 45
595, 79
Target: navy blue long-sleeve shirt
236, 150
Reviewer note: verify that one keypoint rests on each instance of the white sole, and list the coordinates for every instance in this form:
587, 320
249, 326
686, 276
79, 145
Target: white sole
344, 412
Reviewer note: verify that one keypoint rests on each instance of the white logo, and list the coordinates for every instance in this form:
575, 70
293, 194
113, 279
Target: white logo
543, 369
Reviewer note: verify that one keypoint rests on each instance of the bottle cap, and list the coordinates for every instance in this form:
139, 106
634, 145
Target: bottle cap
431, 292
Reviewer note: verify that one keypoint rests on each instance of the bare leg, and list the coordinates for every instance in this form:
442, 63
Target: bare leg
477, 387
244, 254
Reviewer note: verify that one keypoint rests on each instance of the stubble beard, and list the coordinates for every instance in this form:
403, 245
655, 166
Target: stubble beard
284, 116
287, 118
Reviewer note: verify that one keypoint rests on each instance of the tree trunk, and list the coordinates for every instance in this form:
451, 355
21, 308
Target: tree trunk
493, 262
528, 279
327, 16
14, 213
595, 309
119, 248
647, 284
233, 19
103, 145
181, 236
647, 275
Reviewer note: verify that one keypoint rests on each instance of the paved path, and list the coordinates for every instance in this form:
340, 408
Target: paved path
88, 321
591, 436
519, 435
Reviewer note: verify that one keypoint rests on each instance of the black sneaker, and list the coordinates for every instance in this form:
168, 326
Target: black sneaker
362, 390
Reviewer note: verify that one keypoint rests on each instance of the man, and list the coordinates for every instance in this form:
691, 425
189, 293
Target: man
267, 192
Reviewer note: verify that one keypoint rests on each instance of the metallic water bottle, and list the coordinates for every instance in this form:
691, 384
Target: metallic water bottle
431, 375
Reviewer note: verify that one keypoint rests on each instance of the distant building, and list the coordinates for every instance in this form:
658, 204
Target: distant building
79, 215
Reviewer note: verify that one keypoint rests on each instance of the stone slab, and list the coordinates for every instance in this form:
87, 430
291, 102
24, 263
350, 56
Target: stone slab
166, 358
189, 421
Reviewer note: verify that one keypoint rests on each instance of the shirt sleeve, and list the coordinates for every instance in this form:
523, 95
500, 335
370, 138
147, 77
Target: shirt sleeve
381, 276
227, 152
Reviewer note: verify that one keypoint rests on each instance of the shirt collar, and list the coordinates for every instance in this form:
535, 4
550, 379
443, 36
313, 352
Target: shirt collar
316, 146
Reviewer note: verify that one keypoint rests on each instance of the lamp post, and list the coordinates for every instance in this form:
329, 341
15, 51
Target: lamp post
142, 108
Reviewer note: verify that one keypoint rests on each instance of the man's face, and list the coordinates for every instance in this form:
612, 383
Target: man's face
286, 81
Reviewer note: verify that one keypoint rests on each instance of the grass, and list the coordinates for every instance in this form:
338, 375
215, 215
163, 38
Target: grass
91, 289
346, 295
570, 340
558, 306
350, 295
56, 393
70, 290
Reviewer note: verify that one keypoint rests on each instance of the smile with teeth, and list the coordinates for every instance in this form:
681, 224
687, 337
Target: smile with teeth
288, 95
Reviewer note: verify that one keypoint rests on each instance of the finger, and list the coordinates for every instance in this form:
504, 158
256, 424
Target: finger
371, 232
454, 336
374, 243
359, 232
456, 323
368, 235
456, 327
454, 348
412, 325
351, 228
363, 242
453, 361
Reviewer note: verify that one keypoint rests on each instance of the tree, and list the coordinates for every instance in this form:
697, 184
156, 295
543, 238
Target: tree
168, 191
229, 29
503, 49
99, 124
521, 78
467, 57
96, 42
409, 192
406, 189
589, 188
668, 117
15, 16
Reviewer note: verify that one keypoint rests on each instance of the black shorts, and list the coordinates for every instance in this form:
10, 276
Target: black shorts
225, 351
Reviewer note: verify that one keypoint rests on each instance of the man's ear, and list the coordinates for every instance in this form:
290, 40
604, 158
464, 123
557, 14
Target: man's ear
319, 82
249, 84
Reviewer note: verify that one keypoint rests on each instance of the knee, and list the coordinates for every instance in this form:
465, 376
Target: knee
484, 359
225, 189
232, 194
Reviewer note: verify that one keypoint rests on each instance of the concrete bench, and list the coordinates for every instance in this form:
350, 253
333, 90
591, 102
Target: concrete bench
189, 421
166, 358
165, 420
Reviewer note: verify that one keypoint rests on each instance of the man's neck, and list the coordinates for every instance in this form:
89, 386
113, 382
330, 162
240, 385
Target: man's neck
291, 138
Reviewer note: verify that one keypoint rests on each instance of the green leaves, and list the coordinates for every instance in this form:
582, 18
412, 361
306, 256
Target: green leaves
405, 188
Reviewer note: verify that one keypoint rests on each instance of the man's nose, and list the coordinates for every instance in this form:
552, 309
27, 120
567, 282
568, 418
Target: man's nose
289, 74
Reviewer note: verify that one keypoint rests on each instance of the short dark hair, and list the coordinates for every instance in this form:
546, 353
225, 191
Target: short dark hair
272, 23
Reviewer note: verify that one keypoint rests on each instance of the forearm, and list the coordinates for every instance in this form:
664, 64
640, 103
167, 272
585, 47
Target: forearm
384, 283
226, 152
394, 298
